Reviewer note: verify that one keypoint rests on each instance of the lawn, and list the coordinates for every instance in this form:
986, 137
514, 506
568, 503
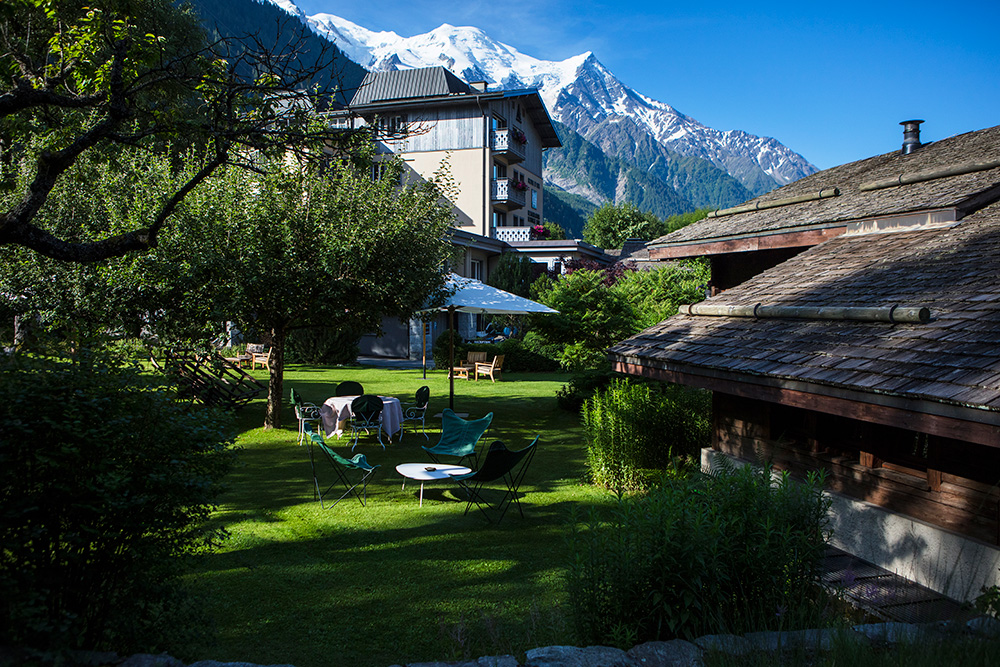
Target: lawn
394, 582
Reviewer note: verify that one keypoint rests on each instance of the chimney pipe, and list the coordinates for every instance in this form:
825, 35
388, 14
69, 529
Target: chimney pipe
911, 136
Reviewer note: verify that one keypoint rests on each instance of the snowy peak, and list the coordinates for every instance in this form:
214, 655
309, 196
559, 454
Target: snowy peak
579, 92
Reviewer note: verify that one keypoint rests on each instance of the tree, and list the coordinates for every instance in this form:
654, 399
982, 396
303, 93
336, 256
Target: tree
287, 247
556, 231
611, 225
513, 273
118, 77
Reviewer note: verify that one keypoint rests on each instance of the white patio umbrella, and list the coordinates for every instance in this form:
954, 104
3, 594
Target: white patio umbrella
476, 297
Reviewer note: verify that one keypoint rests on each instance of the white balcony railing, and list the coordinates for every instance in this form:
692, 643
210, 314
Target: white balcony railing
504, 193
505, 145
512, 234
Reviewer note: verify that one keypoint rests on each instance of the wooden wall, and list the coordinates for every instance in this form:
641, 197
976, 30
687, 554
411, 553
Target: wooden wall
945, 482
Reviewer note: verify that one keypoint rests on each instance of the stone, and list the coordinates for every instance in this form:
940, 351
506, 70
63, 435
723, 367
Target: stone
890, 633
574, 656
985, 626
485, 661
796, 639
730, 644
675, 653
150, 660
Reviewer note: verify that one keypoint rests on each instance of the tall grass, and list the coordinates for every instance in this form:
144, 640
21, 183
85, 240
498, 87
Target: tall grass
634, 427
698, 555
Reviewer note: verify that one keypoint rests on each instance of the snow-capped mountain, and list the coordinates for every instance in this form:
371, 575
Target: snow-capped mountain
578, 92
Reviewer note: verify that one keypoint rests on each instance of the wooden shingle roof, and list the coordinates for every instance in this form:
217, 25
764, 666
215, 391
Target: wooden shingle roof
952, 362
961, 191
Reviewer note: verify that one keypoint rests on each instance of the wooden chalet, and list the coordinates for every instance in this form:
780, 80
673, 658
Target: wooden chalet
856, 329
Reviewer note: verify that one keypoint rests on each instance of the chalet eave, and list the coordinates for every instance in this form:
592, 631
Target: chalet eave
950, 420
804, 236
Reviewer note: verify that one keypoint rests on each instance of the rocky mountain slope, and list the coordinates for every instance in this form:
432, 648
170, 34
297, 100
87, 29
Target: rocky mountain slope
618, 145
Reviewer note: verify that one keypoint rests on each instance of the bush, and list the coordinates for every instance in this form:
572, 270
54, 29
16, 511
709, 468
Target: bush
106, 484
322, 346
632, 427
583, 386
519, 359
699, 555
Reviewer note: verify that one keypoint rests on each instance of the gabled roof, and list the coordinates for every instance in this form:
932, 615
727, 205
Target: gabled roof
433, 86
957, 175
948, 367
408, 84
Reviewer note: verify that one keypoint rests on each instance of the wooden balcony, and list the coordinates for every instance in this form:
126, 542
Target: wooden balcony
506, 146
505, 196
512, 234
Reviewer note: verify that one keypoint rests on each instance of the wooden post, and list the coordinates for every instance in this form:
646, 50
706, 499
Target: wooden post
870, 460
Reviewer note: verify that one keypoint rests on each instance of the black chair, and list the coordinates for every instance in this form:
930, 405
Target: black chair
349, 388
357, 466
366, 413
500, 464
417, 411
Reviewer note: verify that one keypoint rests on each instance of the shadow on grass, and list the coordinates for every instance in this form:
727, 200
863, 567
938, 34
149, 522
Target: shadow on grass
381, 584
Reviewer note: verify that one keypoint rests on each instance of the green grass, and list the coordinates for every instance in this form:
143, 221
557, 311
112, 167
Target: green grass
393, 582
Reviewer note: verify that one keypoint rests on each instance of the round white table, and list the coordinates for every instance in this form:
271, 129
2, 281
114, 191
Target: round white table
336, 410
428, 472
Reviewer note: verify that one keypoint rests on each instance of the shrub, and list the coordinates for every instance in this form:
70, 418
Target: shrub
700, 555
583, 386
632, 427
106, 484
323, 345
519, 359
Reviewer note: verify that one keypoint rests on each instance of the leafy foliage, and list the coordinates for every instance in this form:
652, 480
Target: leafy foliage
513, 273
637, 426
105, 483
116, 78
600, 307
612, 224
731, 553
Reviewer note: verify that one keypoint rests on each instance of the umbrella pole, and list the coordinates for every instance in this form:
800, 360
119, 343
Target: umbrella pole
451, 374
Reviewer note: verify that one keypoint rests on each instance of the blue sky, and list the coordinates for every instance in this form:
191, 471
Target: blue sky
829, 80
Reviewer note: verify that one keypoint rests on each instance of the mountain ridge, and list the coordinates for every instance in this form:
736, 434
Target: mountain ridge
694, 165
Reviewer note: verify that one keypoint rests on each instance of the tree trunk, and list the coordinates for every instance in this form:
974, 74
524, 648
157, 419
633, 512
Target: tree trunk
275, 382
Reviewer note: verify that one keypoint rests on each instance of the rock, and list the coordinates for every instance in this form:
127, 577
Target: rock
985, 626
216, 663
150, 660
676, 653
811, 640
485, 661
574, 656
730, 644
890, 633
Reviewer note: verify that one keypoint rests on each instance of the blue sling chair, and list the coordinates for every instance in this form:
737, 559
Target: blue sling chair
459, 437
356, 469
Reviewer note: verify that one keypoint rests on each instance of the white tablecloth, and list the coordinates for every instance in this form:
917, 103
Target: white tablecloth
337, 409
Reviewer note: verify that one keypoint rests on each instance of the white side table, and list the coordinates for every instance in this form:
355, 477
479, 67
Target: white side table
428, 472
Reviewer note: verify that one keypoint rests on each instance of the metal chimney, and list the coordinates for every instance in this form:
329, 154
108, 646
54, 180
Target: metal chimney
911, 136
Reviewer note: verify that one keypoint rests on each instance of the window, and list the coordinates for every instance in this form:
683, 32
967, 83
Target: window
393, 125
499, 170
518, 117
534, 199
518, 221
476, 266
499, 219
383, 170
499, 122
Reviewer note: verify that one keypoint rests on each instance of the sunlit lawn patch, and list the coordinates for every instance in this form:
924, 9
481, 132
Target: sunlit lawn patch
394, 582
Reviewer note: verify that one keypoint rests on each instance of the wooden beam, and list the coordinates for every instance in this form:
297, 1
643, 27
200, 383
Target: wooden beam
955, 428
797, 239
